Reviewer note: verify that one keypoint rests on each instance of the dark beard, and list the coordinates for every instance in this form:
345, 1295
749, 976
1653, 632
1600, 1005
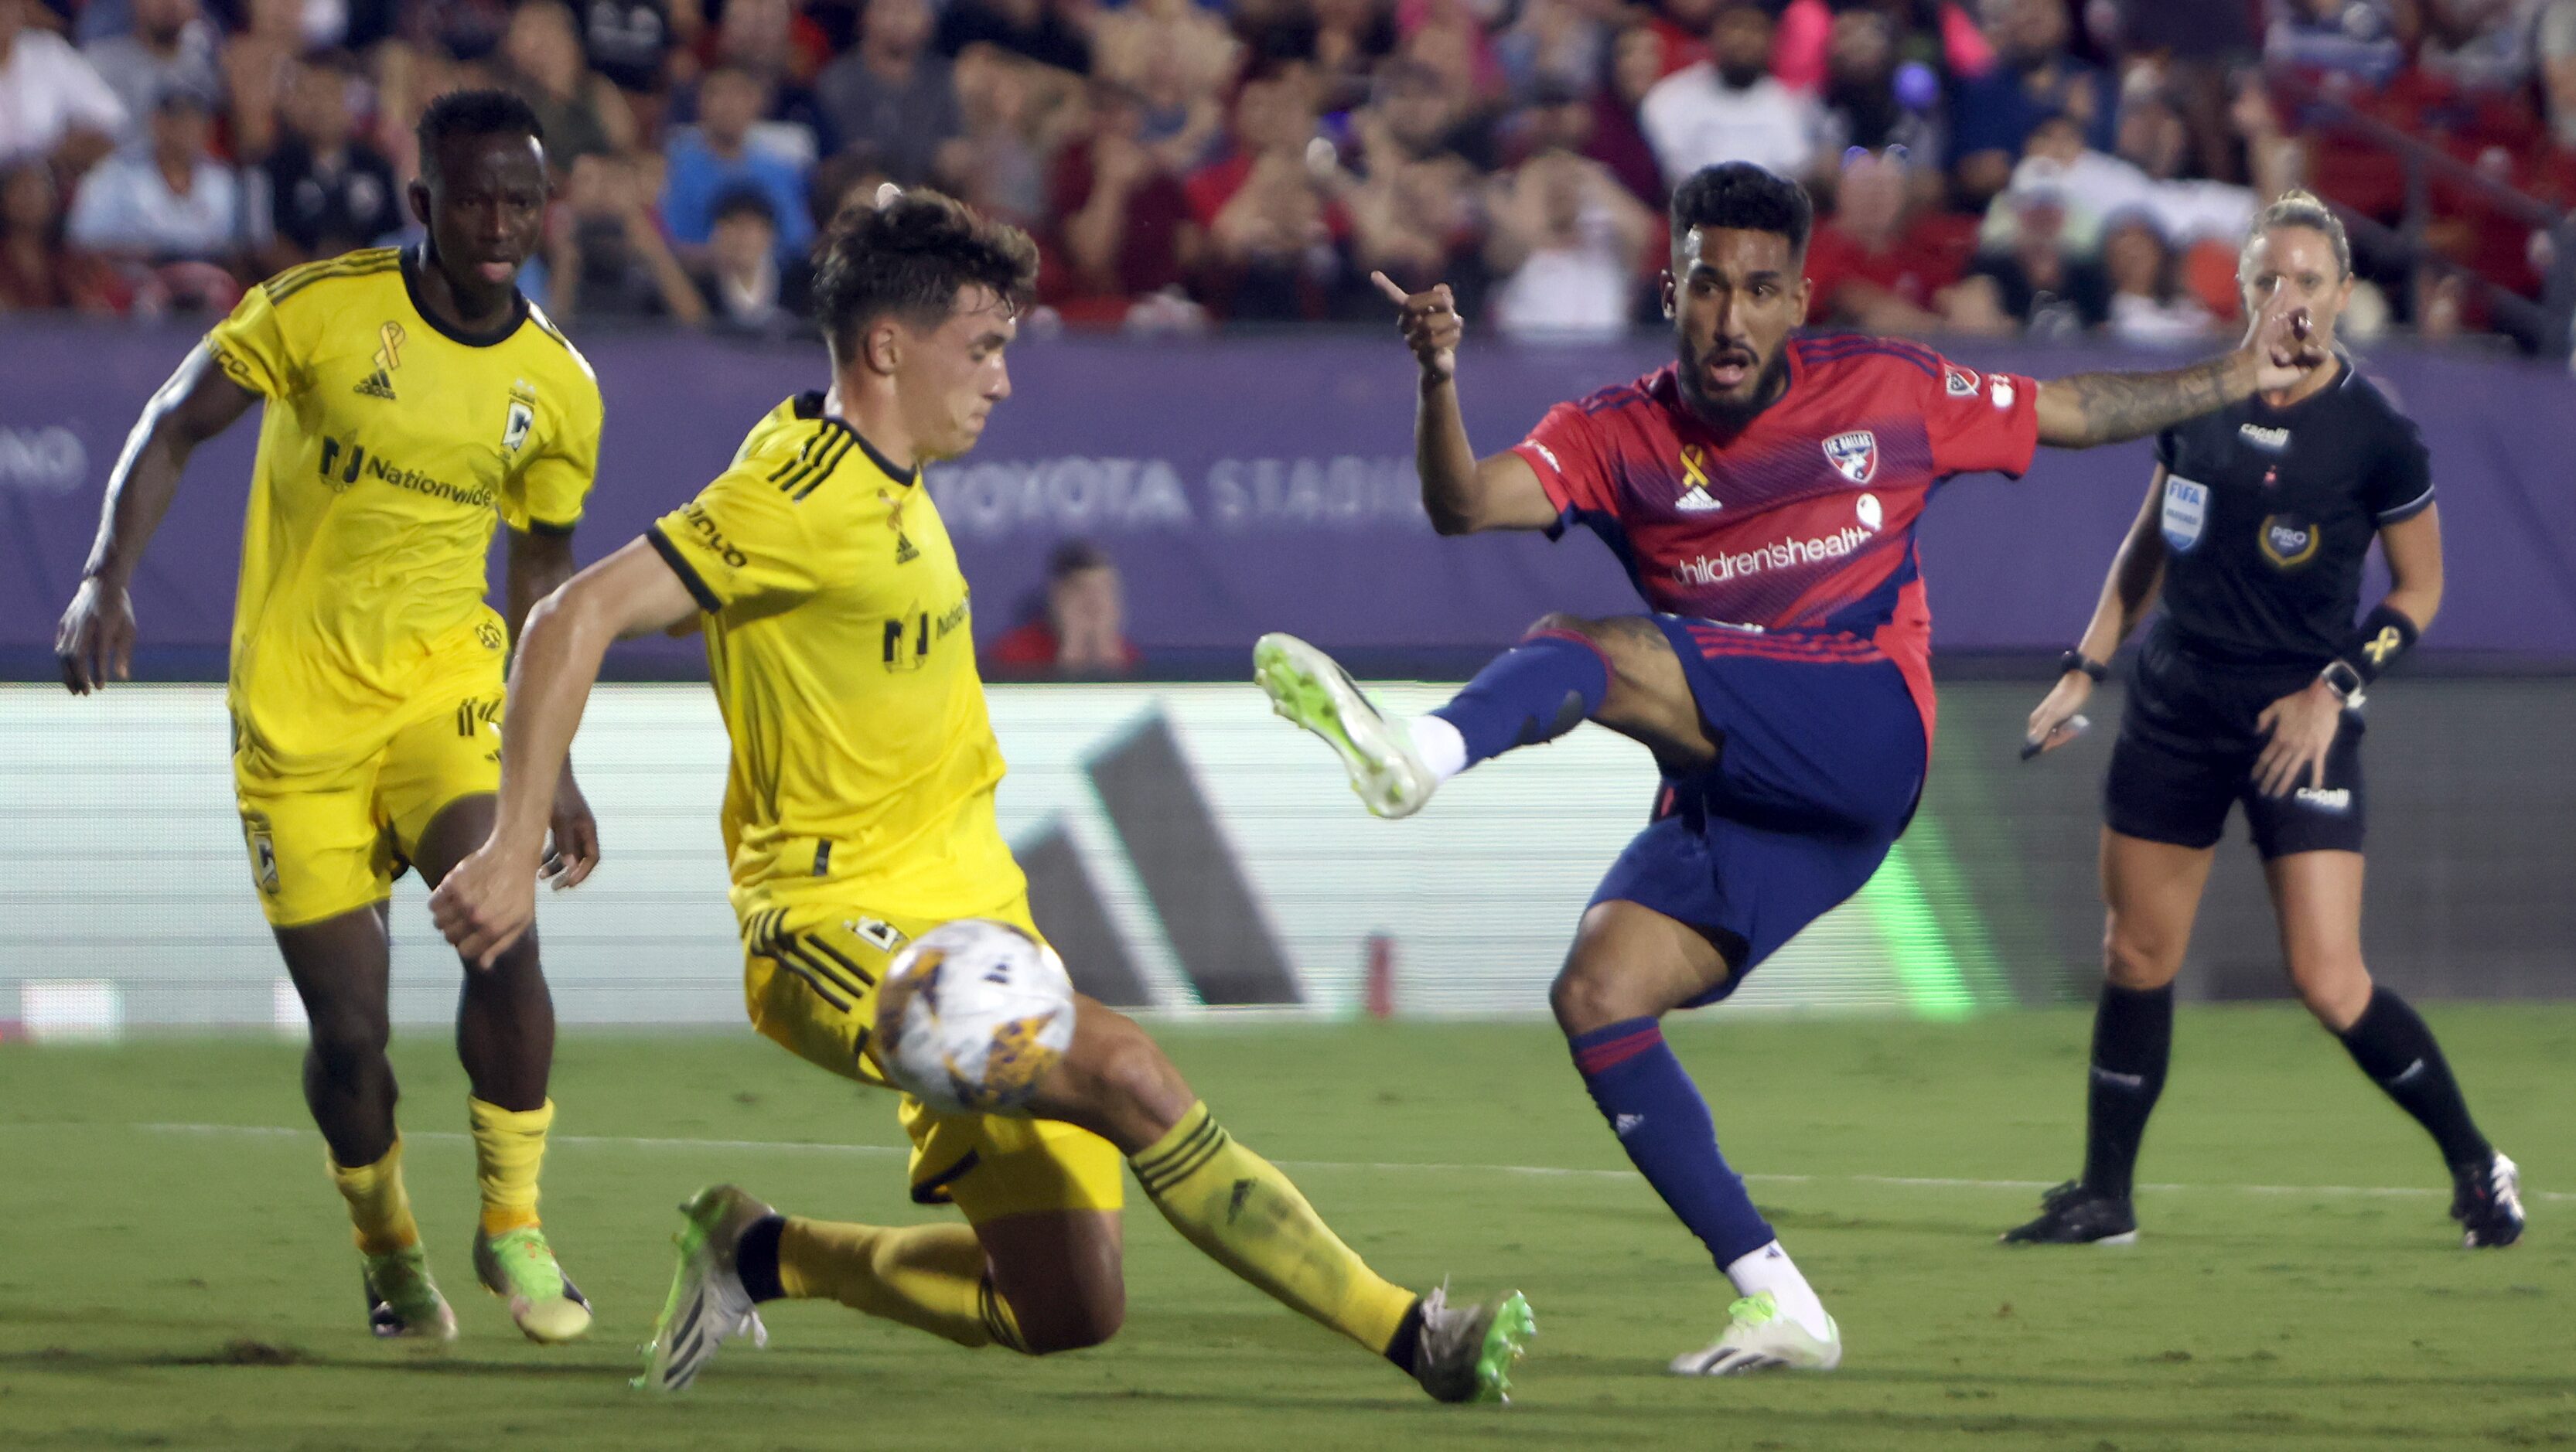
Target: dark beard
1726, 415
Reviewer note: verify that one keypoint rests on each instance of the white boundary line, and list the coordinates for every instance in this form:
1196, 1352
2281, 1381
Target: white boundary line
1910, 1182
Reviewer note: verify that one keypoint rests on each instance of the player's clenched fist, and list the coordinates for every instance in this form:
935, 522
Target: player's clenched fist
486, 902
1430, 323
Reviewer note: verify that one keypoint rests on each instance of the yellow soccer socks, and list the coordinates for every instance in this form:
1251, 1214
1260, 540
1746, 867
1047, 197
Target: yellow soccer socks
378, 1207
929, 1277
1237, 1207
509, 1149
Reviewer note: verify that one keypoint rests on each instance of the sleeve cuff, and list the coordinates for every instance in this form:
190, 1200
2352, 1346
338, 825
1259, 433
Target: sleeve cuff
551, 529
2409, 509
687, 572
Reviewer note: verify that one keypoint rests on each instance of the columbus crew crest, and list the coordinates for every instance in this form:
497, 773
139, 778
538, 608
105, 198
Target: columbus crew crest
1854, 455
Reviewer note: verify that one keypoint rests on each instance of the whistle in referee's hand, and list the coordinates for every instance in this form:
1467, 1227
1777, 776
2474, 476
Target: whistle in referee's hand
2073, 727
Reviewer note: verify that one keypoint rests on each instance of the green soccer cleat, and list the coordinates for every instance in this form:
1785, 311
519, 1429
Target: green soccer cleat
707, 1304
402, 1301
519, 1267
1465, 1354
1758, 1337
1307, 687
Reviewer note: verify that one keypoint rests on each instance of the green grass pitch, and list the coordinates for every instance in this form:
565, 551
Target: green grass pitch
168, 1286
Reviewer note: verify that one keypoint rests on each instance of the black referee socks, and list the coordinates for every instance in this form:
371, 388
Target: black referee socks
2394, 1047
2132, 1042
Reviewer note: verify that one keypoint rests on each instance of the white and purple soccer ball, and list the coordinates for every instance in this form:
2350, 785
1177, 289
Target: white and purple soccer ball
973, 1014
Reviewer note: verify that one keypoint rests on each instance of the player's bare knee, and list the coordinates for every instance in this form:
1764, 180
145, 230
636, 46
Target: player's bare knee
1583, 999
1124, 1080
2334, 988
2137, 958
1070, 1323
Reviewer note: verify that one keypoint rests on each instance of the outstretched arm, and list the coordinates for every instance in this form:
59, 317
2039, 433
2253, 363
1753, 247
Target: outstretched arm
540, 563
2107, 408
97, 630
2128, 592
1461, 493
489, 899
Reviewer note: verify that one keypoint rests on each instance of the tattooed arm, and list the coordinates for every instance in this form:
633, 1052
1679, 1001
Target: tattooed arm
2107, 408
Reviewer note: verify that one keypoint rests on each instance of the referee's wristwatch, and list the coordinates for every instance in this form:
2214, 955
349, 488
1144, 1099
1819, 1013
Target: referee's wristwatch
2076, 660
2340, 678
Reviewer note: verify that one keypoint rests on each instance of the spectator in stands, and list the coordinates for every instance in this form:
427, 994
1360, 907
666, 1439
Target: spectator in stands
2088, 187
322, 191
630, 43
1618, 142
542, 60
1120, 213
2148, 304
1730, 107
1416, 221
1014, 110
1864, 76
1177, 59
1556, 47
2555, 42
1568, 249
1416, 115
171, 202
259, 64
747, 289
169, 46
891, 94
2353, 40
53, 103
2035, 79
1038, 30
1273, 117
605, 258
2479, 45
1885, 263
1082, 630
38, 273
2036, 276
716, 155
766, 39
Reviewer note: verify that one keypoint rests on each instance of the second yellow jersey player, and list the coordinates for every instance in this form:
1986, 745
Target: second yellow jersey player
859, 808
367, 670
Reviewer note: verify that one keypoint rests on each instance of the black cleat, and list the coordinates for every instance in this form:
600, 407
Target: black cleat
2486, 1199
2074, 1215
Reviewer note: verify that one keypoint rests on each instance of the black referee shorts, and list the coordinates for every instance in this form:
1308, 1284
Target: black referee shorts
2186, 754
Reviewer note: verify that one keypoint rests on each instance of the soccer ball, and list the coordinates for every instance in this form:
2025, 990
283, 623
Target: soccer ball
974, 1013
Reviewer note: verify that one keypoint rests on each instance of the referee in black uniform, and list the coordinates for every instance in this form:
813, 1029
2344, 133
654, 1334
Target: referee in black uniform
2249, 689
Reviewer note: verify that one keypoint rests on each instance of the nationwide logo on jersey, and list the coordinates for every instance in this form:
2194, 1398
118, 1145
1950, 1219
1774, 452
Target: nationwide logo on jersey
1959, 382
1695, 496
1854, 454
380, 384
2287, 543
2270, 441
523, 415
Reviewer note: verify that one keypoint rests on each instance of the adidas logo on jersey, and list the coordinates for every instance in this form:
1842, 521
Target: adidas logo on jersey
1696, 500
904, 553
376, 385
380, 384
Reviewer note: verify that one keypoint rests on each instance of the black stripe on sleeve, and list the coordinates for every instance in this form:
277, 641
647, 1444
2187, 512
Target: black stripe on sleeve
681, 567
551, 529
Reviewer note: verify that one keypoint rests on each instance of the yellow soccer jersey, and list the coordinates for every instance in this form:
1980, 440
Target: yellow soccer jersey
838, 641
388, 448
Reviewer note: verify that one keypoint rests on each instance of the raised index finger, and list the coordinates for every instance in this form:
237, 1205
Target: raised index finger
1394, 294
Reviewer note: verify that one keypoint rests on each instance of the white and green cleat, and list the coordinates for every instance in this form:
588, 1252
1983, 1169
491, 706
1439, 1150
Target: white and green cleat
520, 1267
1757, 1338
402, 1301
1465, 1353
1309, 688
708, 1304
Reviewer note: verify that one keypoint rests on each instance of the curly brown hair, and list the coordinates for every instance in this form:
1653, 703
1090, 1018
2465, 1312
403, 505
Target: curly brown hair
910, 255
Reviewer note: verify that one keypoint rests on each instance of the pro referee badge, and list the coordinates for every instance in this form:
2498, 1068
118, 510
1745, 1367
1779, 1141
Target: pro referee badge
2289, 542
2186, 510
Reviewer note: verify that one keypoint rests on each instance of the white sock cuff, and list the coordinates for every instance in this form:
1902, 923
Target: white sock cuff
1439, 745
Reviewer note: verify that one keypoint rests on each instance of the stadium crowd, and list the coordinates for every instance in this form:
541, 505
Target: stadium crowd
1986, 166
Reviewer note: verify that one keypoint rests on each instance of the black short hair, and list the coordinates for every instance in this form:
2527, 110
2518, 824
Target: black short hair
909, 257
473, 113
745, 201
1075, 556
1739, 196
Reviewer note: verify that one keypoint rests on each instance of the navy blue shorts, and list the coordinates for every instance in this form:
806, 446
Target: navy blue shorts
1819, 764
2186, 753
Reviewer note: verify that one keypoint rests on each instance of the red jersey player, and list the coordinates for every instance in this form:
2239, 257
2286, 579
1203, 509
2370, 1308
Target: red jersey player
1763, 493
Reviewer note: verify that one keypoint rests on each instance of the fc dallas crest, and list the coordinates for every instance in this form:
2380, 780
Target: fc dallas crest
1855, 454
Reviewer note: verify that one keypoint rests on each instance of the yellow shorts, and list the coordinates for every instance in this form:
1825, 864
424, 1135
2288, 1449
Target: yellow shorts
332, 842
810, 974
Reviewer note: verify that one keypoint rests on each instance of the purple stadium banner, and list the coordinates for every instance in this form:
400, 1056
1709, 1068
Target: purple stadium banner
1263, 484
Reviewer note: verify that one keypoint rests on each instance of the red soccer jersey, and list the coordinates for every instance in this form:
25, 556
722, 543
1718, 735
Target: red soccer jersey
1804, 523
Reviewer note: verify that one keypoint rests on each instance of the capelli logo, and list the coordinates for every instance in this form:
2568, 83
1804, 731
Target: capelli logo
49, 460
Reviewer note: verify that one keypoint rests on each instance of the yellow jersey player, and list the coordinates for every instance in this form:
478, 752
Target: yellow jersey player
859, 814
413, 397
